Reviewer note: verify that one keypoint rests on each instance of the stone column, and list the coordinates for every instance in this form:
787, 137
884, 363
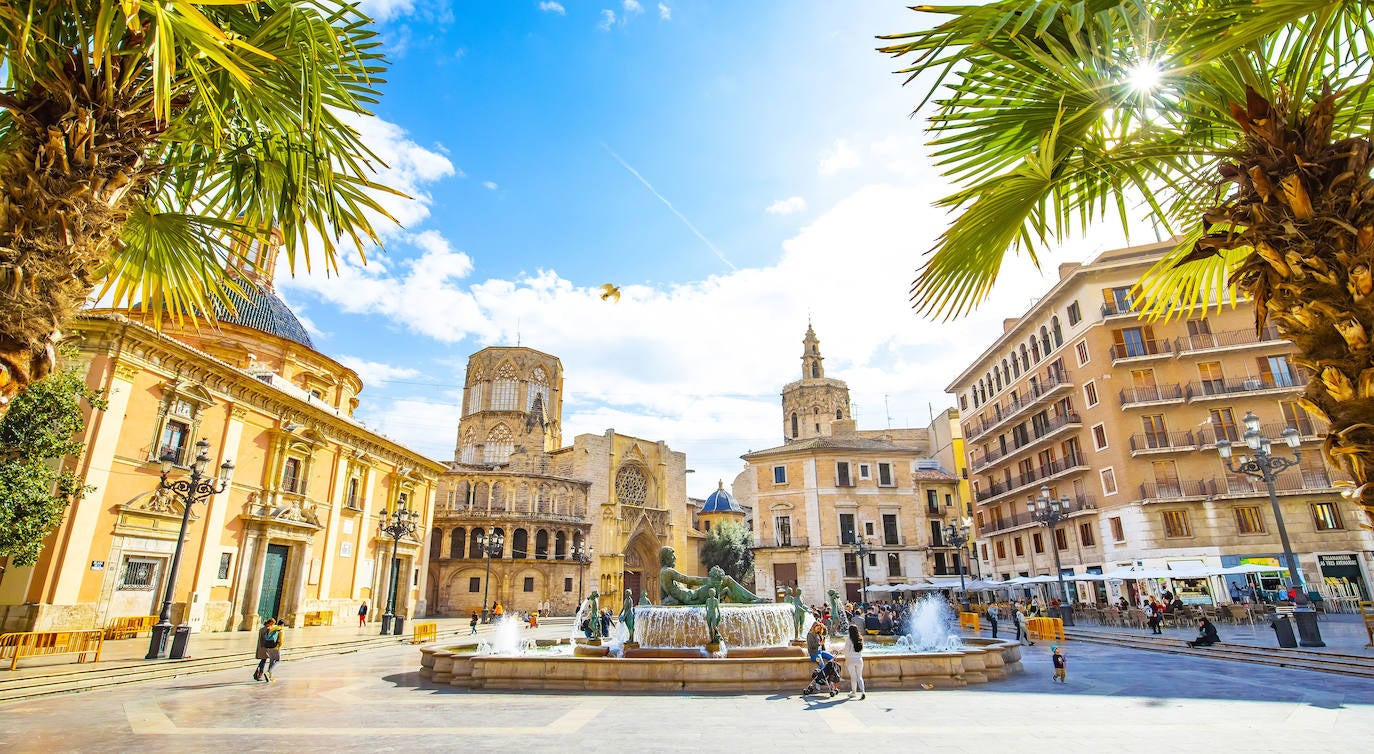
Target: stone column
253, 593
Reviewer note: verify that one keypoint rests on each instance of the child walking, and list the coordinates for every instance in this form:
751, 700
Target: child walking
1058, 657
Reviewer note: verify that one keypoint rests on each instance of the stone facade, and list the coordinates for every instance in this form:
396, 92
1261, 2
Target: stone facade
810, 404
1122, 418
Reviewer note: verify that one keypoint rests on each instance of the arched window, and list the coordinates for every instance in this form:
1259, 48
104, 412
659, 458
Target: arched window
560, 545
577, 540
436, 543
539, 386
468, 447
498, 497
481, 496
815, 369
839, 414
1025, 360
1015, 365
476, 393
1044, 340
794, 424
1058, 333
500, 444
1006, 372
474, 546
520, 544
455, 542
505, 389
631, 488
998, 377
541, 545
1035, 350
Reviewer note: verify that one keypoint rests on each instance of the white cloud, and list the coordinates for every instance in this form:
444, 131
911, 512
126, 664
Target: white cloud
385, 10
491, 185
374, 373
842, 156
632, 7
551, 7
607, 20
664, 12
788, 206
408, 167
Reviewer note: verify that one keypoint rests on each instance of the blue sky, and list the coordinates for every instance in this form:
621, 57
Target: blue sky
735, 166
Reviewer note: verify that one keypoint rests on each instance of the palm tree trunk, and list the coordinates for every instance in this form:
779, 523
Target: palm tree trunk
63, 200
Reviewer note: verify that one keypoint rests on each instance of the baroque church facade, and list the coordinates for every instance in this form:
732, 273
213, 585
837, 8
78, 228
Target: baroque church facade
589, 515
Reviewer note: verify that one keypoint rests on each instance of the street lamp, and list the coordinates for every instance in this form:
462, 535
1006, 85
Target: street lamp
1266, 466
402, 525
491, 546
862, 549
197, 489
1048, 512
582, 555
957, 537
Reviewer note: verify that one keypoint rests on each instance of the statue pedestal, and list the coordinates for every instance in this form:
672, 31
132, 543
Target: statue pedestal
798, 642
713, 648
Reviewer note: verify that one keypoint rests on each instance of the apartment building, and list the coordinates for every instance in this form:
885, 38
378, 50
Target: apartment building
1120, 417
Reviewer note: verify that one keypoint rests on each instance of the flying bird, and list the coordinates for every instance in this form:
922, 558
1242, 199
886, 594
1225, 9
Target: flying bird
610, 292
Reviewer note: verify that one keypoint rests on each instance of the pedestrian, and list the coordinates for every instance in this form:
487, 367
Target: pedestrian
1206, 634
992, 620
1057, 656
534, 619
472, 624
498, 611
362, 615
1155, 614
854, 661
1018, 617
269, 649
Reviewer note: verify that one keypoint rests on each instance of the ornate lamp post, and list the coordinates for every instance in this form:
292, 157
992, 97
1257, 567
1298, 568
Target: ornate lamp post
862, 549
402, 525
956, 536
491, 546
1049, 513
582, 555
1264, 465
197, 489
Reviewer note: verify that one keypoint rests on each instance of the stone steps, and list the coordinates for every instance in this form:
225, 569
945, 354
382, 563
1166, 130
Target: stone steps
1305, 659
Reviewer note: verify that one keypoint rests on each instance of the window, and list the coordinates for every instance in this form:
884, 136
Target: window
851, 565
885, 475
1327, 517
1118, 531
842, 474
894, 564
1156, 434
174, 438
1277, 371
351, 499
1061, 539
865, 472
890, 529
848, 532
1100, 437
1295, 416
1017, 547
1133, 341
1212, 377
1176, 524
139, 573
1001, 550
1075, 314
225, 558
1108, 481
983, 548
779, 475
1249, 520
1118, 300
455, 543
1085, 535
1038, 542
1166, 478
567, 584
782, 527
1224, 424
794, 424
475, 397
529, 584
500, 444
291, 475
475, 584
1082, 350
933, 502
1090, 393
868, 528
505, 389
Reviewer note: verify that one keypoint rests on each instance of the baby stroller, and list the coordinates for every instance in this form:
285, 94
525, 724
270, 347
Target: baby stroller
826, 676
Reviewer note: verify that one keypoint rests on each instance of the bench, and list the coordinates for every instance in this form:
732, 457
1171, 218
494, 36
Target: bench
43, 643
426, 631
969, 621
129, 627
1045, 628
319, 618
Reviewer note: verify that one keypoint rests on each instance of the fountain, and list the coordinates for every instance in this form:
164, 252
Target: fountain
669, 647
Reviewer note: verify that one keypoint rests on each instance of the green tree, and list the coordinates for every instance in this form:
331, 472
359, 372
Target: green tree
1241, 125
146, 144
729, 546
37, 436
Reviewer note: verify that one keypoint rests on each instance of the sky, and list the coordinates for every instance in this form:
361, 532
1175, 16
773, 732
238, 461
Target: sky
737, 168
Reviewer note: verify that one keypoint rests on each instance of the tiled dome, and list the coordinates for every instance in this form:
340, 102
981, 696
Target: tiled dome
262, 309
720, 501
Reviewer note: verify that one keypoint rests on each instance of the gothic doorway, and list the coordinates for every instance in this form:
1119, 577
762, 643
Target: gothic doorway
631, 579
641, 566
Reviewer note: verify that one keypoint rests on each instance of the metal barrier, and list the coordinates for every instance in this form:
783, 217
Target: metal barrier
1045, 628
319, 618
427, 631
41, 643
129, 627
969, 621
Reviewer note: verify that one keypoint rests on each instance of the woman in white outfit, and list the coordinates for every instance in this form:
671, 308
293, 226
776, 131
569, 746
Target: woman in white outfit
854, 661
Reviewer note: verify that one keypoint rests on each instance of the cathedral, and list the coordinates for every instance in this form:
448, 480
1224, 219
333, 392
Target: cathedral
527, 522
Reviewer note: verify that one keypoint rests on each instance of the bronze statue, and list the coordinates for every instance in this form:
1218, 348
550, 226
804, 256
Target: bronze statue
674, 593
594, 619
627, 615
644, 598
837, 616
799, 612
712, 617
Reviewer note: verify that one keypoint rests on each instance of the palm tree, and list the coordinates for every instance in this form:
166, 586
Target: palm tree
1243, 126
145, 145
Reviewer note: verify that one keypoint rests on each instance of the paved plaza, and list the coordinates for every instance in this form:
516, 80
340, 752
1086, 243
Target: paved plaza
1117, 700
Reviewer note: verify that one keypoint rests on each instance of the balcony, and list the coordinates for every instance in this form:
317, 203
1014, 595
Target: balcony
1023, 518
1214, 389
1044, 431
781, 543
1038, 475
1162, 442
1046, 386
1287, 481
1156, 395
1176, 490
1144, 350
1230, 340
1113, 310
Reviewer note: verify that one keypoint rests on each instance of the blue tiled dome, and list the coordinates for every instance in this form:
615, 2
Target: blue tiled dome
262, 309
721, 502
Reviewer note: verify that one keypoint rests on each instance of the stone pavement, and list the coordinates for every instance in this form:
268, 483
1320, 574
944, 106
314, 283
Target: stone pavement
1342, 634
1117, 700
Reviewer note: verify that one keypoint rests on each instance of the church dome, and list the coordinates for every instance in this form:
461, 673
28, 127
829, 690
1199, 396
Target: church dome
720, 501
262, 309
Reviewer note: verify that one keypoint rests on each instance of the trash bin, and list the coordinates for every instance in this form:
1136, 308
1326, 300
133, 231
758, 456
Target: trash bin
400, 625
1308, 633
1283, 629
181, 635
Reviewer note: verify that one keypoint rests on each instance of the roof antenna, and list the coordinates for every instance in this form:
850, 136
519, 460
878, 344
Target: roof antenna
517, 332
887, 410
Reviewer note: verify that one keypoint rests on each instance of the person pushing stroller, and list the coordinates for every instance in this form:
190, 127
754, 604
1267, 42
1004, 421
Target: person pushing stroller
827, 673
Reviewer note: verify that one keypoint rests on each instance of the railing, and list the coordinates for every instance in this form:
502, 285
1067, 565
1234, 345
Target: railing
43, 643
996, 489
1208, 435
1183, 488
1114, 310
1163, 441
1306, 426
444, 511
1023, 518
1141, 349
1152, 394
1210, 388
129, 627
1284, 482
1226, 339
773, 543
1003, 412
425, 631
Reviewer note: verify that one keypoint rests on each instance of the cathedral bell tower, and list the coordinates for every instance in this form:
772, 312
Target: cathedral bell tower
810, 404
